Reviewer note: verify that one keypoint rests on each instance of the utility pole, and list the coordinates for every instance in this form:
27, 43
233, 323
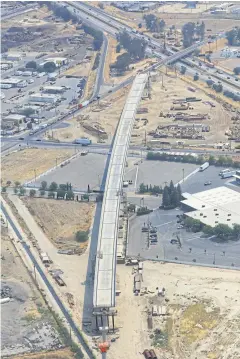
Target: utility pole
145, 138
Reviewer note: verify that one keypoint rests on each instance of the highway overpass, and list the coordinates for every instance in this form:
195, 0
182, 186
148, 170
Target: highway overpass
105, 268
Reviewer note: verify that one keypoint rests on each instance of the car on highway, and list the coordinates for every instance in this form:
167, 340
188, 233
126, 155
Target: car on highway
152, 236
208, 183
21, 138
109, 91
38, 139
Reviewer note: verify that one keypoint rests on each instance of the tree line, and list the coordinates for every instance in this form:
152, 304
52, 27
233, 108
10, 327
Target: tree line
172, 196
97, 36
221, 231
153, 23
220, 161
145, 188
135, 51
191, 32
233, 36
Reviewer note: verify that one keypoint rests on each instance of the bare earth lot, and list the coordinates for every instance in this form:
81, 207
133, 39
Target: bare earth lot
162, 100
60, 220
203, 313
27, 325
20, 166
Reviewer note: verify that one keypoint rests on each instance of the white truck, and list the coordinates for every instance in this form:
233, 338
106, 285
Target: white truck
82, 141
204, 167
228, 174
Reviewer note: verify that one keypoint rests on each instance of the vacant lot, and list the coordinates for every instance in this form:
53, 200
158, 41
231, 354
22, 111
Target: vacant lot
55, 354
25, 315
105, 115
60, 220
202, 313
25, 164
161, 101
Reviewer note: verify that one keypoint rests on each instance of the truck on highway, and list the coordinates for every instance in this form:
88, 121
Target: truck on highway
204, 167
83, 104
82, 141
228, 174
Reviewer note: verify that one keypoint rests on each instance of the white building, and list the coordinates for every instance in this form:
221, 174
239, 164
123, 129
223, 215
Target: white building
58, 61
13, 57
14, 82
53, 89
39, 97
230, 52
14, 117
212, 207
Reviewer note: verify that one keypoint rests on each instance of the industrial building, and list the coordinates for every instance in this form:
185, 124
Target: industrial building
14, 117
237, 177
39, 97
215, 206
58, 61
53, 89
13, 82
12, 57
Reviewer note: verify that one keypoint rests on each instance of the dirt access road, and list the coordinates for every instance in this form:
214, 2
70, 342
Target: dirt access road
202, 306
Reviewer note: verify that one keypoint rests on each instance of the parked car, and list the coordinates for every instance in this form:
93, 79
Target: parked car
174, 241
208, 183
179, 227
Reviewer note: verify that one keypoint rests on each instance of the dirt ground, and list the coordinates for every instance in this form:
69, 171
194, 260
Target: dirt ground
202, 313
26, 315
106, 114
60, 220
20, 166
161, 101
55, 354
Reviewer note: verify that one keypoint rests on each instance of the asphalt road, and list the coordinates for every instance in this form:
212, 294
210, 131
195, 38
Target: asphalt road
48, 284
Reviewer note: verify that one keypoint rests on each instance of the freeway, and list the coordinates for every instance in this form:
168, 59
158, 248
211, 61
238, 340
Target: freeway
32, 258
24, 9
105, 147
99, 15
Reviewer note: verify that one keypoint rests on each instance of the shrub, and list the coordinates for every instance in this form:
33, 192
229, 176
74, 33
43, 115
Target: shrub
82, 236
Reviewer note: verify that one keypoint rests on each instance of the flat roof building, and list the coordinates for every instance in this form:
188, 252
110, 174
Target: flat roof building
11, 81
14, 117
39, 97
212, 207
53, 89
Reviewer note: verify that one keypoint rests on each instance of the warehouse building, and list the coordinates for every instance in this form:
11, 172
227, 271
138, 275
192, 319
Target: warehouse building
12, 57
15, 118
39, 97
212, 207
14, 82
53, 89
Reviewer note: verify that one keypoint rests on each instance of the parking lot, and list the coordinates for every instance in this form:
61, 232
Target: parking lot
80, 172
194, 246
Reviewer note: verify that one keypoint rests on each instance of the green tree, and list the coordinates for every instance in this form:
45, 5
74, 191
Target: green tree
101, 5
82, 236
49, 66
61, 193
132, 208
32, 193
210, 82
174, 199
22, 191
16, 190
196, 77
29, 125
8, 183
17, 183
151, 22
118, 48
51, 194
171, 187
85, 197
43, 185
142, 188
70, 195
122, 62
211, 160
63, 187
188, 33
42, 192
223, 231
208, 230
166, 198
140, 25
236, 70
236, 231
31, 65
183, 70
53, 186
218, 87
4, 189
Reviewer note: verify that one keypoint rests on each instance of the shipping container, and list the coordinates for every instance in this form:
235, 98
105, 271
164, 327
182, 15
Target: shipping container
147, 354
153, 354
